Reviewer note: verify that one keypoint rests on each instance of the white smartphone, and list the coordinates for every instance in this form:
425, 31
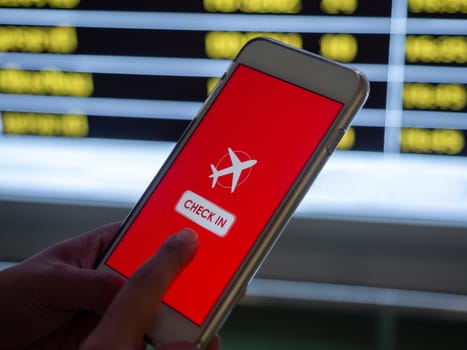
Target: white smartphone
236, 177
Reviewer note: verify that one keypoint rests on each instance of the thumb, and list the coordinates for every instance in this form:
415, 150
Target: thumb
139, 299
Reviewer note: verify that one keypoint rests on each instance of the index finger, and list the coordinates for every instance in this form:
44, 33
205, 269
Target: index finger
132, 311
85, 250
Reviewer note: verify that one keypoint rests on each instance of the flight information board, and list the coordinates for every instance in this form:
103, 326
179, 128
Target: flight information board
140, 70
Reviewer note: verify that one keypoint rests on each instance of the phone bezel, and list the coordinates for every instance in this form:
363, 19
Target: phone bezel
297, 67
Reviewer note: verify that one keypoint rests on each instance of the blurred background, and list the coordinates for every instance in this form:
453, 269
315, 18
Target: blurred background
93, 95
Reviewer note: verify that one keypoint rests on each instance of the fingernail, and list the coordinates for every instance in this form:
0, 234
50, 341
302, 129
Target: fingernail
185, 237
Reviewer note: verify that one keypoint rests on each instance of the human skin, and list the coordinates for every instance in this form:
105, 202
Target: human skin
57, 300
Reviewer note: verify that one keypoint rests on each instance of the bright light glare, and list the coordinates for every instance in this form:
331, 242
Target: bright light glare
352, 184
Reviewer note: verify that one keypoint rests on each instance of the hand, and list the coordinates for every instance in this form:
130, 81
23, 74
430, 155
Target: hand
55, 299
139, 299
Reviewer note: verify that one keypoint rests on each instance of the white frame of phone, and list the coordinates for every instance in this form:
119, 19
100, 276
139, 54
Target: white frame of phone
297, 67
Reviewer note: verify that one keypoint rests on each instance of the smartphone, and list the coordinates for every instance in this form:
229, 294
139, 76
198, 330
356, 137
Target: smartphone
236, 177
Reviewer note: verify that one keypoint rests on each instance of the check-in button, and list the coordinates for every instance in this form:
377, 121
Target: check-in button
205, 213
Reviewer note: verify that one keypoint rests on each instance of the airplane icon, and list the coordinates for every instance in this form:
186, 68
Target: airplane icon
236, 170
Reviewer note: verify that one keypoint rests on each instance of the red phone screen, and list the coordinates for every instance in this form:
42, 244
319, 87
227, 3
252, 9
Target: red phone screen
227, 182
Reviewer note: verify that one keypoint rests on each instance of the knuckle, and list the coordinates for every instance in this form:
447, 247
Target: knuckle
151, 274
